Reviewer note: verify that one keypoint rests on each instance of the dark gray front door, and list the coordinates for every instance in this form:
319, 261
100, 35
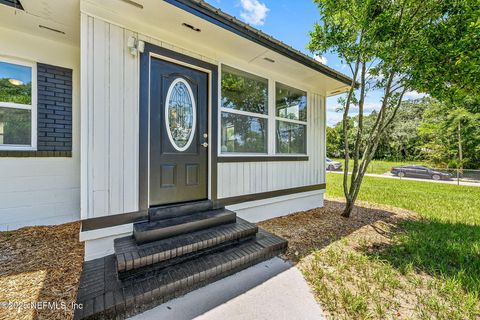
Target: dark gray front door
178, 133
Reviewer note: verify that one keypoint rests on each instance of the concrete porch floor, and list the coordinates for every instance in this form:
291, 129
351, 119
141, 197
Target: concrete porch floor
273, 289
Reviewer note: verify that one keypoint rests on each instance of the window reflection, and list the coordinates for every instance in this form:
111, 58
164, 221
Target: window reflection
291, 103
243, 91
291, 138
243, 134
15, 83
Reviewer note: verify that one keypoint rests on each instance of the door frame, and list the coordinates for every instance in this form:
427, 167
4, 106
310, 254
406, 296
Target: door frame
155, 52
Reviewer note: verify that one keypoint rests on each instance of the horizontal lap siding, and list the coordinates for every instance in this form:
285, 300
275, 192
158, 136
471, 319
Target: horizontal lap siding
109, 121
42, 191
236, 179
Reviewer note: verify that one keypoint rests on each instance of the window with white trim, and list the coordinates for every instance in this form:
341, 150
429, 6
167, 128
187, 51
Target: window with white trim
290, 120
17, 105
245, 116
244, 112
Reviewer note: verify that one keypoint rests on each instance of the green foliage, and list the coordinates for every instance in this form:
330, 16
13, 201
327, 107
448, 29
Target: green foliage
375, 39
441, 129
334, 141
15, 93
400, 140
446, 63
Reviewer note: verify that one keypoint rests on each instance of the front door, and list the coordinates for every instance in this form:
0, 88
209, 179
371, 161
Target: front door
178, 133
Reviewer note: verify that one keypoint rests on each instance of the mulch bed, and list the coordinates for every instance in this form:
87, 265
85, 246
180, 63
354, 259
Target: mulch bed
317, 228
40, 264
43, 264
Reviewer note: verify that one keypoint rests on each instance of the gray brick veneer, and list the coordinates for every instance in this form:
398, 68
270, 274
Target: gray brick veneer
54, 108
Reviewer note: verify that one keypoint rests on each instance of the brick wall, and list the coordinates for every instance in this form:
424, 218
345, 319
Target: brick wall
54, 108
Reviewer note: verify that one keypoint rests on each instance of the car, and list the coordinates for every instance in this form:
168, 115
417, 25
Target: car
332, 165
419, 171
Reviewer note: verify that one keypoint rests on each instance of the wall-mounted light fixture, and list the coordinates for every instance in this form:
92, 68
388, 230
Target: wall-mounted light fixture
135, 46
269, 60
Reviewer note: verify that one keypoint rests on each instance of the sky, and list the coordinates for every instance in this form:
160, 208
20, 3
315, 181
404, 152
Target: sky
290, 22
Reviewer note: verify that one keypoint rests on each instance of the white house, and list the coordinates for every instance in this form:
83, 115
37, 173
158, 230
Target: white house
128, 114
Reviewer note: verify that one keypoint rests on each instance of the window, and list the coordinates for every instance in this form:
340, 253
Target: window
17, 101
244, 112
247, 115
291, 120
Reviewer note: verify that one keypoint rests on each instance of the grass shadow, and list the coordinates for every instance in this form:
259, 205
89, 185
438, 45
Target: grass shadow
447, 250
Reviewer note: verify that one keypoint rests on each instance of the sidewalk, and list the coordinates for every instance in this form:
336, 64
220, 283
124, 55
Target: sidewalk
390, 176
273, 289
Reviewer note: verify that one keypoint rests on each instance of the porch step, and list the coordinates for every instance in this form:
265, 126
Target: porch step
132, 256
177, 210
155, 230
104, 296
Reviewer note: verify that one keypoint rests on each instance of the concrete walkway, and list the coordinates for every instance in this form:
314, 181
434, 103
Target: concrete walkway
391, 176
273, 289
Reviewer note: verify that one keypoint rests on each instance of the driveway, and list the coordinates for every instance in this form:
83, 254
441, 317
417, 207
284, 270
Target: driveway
273, 289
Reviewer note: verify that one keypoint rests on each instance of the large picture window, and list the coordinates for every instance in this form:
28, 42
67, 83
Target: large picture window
291, 120
244, 112
17, 106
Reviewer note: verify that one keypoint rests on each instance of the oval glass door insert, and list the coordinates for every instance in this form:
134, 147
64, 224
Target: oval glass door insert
180, 114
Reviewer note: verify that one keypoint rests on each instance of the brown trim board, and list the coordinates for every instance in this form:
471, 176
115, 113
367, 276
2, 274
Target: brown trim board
35, 154
260, 158
113, 220
265, 195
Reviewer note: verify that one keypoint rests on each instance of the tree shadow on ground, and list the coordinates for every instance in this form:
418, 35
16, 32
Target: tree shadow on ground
317, 228
448, 250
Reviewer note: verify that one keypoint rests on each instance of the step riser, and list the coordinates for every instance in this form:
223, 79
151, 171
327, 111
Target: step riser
167, 212
144, 295
131, 260
183, 258
167, 232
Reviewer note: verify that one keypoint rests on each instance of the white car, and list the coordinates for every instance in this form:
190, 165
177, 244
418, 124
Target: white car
332, 165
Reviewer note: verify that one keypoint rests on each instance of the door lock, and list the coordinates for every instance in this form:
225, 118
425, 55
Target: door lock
205, 144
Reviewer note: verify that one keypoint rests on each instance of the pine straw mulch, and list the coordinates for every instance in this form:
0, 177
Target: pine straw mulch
40, 264
317, 228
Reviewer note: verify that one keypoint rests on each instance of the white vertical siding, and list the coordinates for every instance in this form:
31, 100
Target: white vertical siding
235, 179
109, 120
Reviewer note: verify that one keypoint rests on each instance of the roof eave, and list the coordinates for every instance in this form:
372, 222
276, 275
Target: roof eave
221, 19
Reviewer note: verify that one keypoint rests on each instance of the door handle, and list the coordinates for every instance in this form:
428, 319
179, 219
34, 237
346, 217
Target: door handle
205, 144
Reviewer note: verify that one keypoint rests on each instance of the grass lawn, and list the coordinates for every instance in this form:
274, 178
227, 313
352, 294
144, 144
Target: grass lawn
382, 166
411, 250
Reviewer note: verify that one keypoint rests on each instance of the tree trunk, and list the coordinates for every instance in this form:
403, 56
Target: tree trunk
460, 149
349, 205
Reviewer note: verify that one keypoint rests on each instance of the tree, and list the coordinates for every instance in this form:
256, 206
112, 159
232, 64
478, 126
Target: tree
446, 62
375, 39
451, 136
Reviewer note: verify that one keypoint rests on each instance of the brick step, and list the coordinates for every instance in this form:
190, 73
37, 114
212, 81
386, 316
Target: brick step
177, 210
132, 256
104, 296
155, 230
